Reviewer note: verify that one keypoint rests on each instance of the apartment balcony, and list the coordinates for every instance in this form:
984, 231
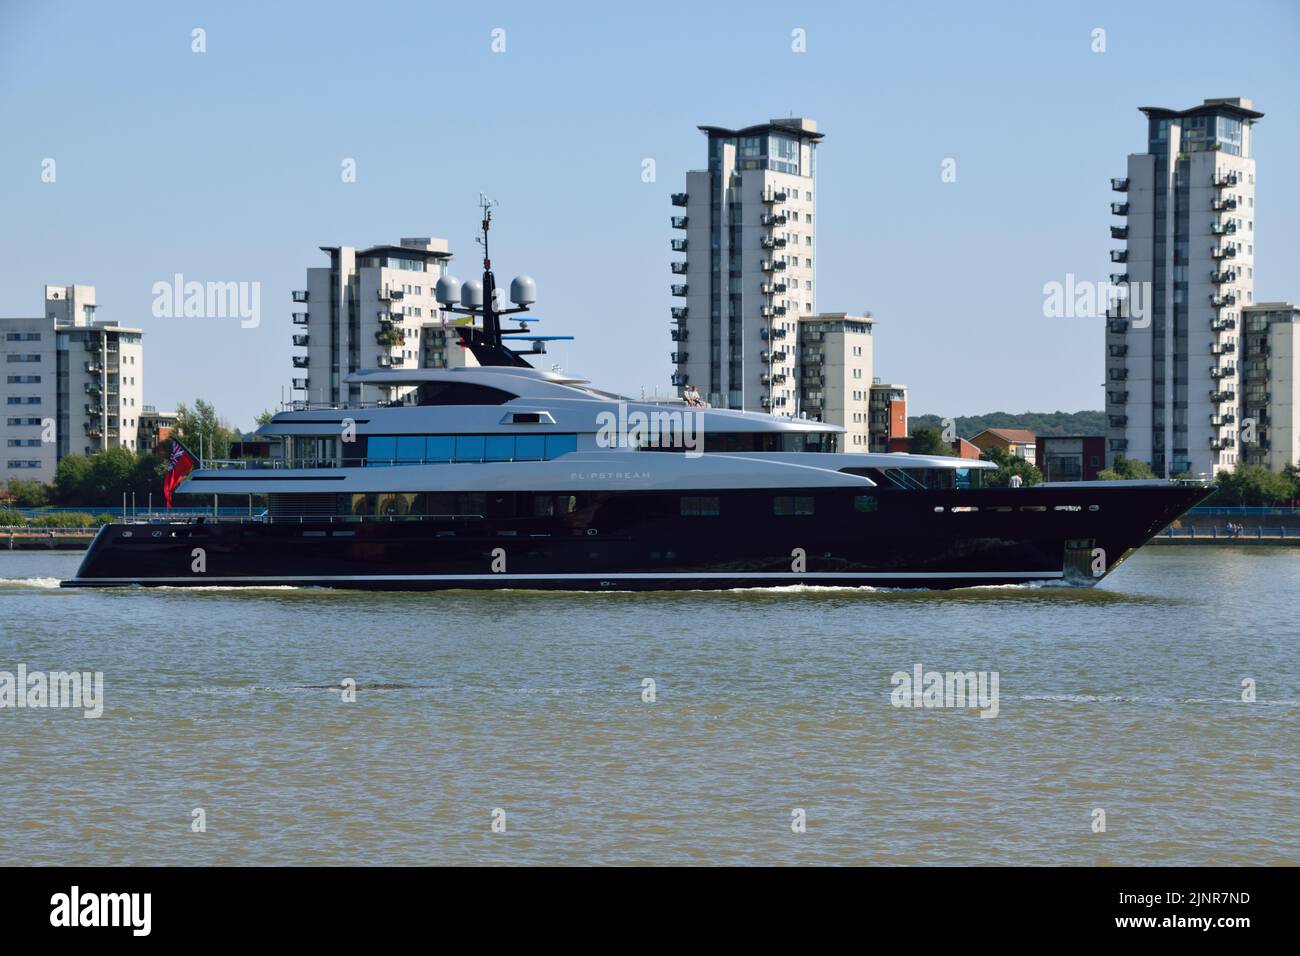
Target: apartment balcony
1119, 185
1119, 208
299, 295
1220, 421
679, 268
298, 384
679, 313
766, 313
1224, 252
94, 368
772, 378
93, 388
91, 345
389, 319
300, 318
768, 288
1117, 351
1219, 278
774, 196
1117, 421
1118, 374
1223, 395
678, 358
387, 295
1223, 228
390, 337
1219, 301
1119, 255
435, 337
767, 357
1115, 311
780, 310
679, 245
679, 335
1117, 325
772, 333
1118, 278
1118, 444
94, 431
771, 220
1117, 398
1224, 205
384, 361
814, 402
1119, 232
680, 378
1223, 325
1219, 444
679, 199
814, 378
679, 290
1224, 180
1222, 371
300, 341
765, 402
680, 222
1227, 348
767, 265
773, 242
300, 361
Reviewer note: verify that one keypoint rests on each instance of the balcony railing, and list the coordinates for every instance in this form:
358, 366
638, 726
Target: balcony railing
777, 333
1222, 371
299, 295
1119, 255
1119, 185
678, 358
680, 378
1224, 252
1118, 421
1118, 444
1117, 351
1118, 278
1220, 396
1117, 325
679, 313
774, 196
1119, 208
1119, 374
1219, 301
300, 361
679, 245
680, 222
1223, 228
1223, 325
679, 335
1228, 275
679, 290
300, 341
1226, 348
300, 318
679, 268
771, 220
1219, 421
679, 199
1117, 398
1224, 205
298, 384
1119, 232
1222, 180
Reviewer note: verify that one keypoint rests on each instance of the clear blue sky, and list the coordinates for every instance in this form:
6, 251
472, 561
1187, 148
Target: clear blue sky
225, 166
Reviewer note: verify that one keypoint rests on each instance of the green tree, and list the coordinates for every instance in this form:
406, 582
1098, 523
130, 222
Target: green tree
1252, 485
1126, 469
1008, 465
265, 417
28, 493
928, 441
202, 431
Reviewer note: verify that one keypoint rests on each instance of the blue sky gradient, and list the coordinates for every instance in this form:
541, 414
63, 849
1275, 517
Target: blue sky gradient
225, 165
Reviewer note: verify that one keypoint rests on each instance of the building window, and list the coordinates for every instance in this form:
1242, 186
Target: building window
695, 505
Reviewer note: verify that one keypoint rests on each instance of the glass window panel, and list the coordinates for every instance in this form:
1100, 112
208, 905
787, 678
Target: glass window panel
470, 447
557, 445
500, 447
381, 449
439, 447
530, 447
410, 447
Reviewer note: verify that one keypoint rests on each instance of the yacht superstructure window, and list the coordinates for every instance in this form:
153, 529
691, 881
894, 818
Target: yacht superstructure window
694, 505
792, 505
385, 450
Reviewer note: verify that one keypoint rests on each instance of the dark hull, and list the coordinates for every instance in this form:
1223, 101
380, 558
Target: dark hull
641, 541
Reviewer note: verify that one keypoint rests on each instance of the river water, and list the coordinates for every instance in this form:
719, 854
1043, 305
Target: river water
529, 709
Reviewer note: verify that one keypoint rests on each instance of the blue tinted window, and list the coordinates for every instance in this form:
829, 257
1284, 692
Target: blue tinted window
500, 447
470, 447
381, 449
557, 445
530, 447
410, 447
440, 447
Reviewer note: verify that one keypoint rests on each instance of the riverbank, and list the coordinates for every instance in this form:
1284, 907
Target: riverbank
47, 539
